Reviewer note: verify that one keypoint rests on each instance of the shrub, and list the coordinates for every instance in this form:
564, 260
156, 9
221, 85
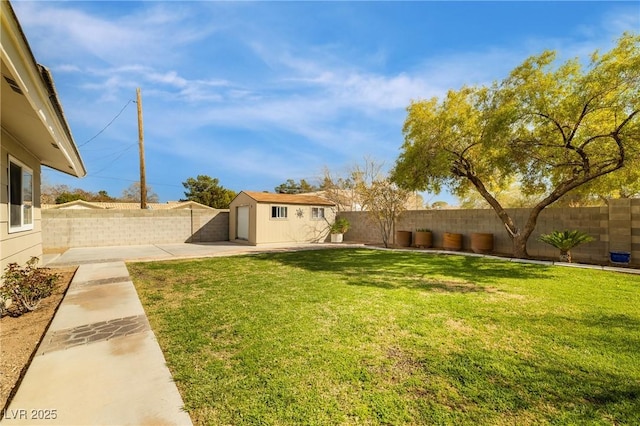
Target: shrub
340, 226
565, 241
23, 287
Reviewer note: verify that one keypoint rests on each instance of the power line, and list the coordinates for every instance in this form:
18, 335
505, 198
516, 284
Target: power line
116, 159
109, 124
133, 180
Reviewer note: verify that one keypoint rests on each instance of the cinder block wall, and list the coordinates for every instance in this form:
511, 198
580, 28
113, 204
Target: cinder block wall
615, 227
635, 230
63, 229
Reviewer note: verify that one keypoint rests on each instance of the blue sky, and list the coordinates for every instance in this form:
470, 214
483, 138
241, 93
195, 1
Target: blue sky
258, 93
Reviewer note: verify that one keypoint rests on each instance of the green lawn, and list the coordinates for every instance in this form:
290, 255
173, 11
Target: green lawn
358, 336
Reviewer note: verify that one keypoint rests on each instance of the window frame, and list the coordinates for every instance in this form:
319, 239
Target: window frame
315, 213
26, 205
277, 212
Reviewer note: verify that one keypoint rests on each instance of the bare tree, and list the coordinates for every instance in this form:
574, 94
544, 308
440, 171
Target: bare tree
382, 199
132, 194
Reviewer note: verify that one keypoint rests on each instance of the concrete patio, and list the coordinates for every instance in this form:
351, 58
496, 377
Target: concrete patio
99, 362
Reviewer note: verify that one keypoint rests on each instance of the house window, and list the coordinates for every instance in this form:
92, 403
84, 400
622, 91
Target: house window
20, 197
317, 213
278, 212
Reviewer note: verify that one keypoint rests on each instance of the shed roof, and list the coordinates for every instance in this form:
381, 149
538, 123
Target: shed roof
269, 197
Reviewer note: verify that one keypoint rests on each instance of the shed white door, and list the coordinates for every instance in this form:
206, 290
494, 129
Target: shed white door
243, 222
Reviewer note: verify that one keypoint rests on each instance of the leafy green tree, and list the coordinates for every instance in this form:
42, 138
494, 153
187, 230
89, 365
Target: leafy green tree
208, 191
291, 187
67, 197
103, 196
510, 196
60, 194
49, 193
623, 183
553, 127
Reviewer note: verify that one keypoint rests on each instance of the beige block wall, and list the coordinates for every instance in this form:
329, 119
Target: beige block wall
635, 230
615, 228
63, 229
79, 228
20, 246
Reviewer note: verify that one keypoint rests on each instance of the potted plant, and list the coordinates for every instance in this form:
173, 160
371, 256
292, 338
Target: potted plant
424, 238
481, 242
565, 241
403, 238
452, 241
338, 228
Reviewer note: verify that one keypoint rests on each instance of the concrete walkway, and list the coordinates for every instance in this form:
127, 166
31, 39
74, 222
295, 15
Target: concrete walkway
99, 363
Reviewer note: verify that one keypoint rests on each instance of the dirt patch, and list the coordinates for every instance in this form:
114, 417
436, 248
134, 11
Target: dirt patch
19, 337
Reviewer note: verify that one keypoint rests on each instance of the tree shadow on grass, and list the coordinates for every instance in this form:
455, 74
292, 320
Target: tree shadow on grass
423, 271
587, 394
594, 393
595, 330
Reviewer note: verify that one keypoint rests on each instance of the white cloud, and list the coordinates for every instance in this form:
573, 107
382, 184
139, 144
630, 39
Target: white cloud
171, 78
153, 34
290, 105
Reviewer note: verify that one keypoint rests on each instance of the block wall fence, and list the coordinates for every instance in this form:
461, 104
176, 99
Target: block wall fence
615, 227
63, 229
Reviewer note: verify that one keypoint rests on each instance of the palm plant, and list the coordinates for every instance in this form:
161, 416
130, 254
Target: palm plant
340, 226
565, 241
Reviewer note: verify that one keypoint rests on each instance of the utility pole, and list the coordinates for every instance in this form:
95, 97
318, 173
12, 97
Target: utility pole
143, 178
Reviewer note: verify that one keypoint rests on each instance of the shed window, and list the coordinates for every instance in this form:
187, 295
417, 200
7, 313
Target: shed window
317, 213
20, 197
278, 212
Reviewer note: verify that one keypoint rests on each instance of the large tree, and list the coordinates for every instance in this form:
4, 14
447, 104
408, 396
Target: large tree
623, 183
553, 127
293, 187
58, 194
208, 191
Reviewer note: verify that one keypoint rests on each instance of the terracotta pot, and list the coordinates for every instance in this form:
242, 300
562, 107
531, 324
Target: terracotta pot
481, 242
403, 238
452, 241
423, 239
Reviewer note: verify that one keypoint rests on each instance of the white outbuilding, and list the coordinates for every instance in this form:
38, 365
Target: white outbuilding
262, 217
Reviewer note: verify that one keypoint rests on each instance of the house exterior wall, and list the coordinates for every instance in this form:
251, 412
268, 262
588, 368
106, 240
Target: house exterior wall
19, 246
264, 229
615, 227
95, 228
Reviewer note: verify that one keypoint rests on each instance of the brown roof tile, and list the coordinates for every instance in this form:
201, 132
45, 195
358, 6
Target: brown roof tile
269, 197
